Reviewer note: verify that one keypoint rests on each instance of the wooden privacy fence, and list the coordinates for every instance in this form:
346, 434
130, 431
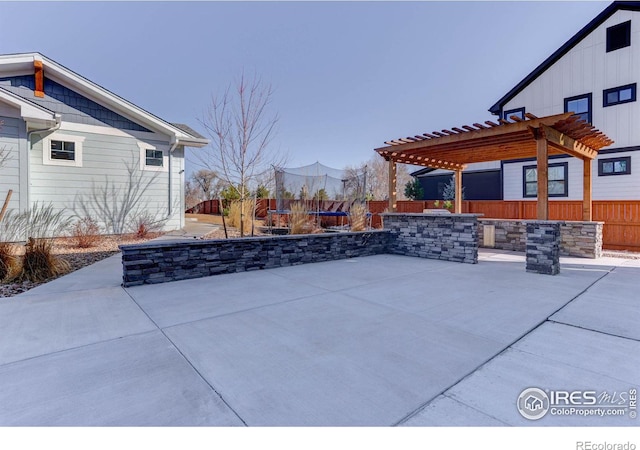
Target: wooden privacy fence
621, 217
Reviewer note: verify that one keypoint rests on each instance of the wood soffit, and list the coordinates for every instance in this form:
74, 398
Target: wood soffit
453, 149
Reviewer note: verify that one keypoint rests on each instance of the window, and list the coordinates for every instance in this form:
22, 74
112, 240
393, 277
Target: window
519, 112
62, 150
581, 105
619, 36
557, 180
622, 94
614, 166
154, 158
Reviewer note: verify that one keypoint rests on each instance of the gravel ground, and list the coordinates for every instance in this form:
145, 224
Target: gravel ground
77, 258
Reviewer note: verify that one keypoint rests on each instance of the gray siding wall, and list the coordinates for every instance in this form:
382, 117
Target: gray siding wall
14, 172
104, 160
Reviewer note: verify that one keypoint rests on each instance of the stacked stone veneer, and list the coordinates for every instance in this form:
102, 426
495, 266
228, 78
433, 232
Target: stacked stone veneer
543, 247
451, 237
162, 261
582, 239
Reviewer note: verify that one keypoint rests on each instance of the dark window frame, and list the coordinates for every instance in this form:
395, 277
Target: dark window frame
606, 93
565, 165
602, 173
55, 154
154, 157
589, 98
624, 27
506, 114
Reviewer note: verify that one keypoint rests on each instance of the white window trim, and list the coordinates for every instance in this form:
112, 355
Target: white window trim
46, 150
143, 158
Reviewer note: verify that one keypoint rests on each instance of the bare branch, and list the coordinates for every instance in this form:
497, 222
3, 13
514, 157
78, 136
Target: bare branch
241, 128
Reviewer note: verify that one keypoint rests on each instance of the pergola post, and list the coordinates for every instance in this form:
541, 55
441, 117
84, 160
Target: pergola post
586, 189
543, 177
458, 194
392, 186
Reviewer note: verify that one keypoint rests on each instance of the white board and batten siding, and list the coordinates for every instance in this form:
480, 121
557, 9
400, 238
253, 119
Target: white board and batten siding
104, 160
588, 68
613, 187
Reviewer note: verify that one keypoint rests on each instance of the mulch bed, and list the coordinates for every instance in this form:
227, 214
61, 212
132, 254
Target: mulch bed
77, 258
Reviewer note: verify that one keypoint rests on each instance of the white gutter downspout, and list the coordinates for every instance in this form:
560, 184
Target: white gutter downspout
58, 119
174, 143
57, 126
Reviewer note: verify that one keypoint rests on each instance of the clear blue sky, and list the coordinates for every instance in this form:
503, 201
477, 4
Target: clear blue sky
347, 76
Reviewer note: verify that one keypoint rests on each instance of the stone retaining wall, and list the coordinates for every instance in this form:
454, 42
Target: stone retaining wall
543, 247
582, 239
451, 237
162, 261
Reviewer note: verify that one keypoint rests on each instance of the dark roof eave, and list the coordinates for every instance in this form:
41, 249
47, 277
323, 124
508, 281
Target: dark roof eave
597, 21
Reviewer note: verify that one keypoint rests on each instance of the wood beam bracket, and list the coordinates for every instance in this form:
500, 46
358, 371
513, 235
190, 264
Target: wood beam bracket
567, 144
39, 76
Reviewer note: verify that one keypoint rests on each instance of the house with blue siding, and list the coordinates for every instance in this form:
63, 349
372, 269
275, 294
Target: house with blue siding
82, 148
595, 75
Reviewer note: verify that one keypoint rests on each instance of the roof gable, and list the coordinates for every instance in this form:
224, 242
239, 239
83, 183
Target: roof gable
20, 64
72, 106
29, 110
579, 36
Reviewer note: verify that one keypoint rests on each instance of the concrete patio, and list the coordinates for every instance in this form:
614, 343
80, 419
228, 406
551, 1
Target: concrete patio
376, 341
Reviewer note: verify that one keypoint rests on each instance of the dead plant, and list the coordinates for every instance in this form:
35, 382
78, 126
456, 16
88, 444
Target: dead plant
299, 222
39, 263
358, 217
39, 224
86, 233
234, 215
9, 262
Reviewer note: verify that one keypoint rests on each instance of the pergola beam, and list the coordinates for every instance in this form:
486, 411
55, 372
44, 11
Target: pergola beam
567, 144
458, 192
480, 133
587, 214
543, 178
393, 204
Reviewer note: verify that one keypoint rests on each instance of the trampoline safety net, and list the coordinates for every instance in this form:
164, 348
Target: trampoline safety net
318, 184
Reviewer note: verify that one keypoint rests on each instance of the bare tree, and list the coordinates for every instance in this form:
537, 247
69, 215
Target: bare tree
208, 183
377, 170
192, 194
355, 182
241, 129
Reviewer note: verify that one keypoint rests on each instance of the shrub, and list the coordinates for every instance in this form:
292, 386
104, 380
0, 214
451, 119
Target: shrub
299, 221
39, 263
145, 223
358, 217
234, 215
9, 263
39, 224
86, 233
